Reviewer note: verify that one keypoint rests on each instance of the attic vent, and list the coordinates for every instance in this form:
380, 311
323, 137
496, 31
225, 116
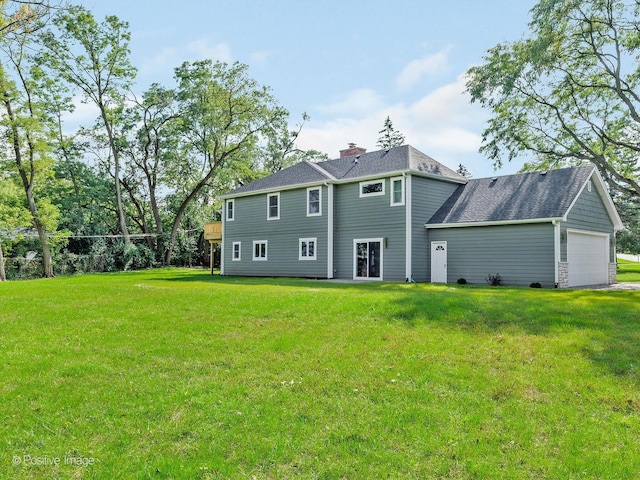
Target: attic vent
493, 179
544, 172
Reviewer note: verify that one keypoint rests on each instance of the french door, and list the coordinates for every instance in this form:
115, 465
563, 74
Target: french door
367, 263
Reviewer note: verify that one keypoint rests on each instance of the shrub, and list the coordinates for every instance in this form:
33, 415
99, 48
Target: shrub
494, 280
462, 281
535, 285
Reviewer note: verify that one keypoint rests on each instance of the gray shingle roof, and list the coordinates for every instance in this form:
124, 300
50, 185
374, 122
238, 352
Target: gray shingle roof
514, 197
398, 159
300, 173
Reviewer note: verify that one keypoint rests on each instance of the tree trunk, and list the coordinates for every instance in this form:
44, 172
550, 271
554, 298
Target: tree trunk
3, 275
116, 161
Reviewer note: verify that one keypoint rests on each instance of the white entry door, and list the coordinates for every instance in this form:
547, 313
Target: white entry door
438, 262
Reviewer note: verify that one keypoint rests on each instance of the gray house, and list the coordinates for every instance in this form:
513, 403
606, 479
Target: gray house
398, 214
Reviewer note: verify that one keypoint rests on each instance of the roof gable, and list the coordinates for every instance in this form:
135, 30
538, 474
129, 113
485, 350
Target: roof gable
525, 196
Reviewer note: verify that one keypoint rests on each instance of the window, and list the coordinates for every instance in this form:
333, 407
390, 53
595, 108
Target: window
370, 189
230, 207
397, 191
260, 250
307, 249
589, 185
273, 206
314, 201
235, 251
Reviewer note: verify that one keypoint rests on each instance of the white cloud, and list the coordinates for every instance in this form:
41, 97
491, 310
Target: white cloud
354, 104
443, 124
430, 64
195, 50
260, 58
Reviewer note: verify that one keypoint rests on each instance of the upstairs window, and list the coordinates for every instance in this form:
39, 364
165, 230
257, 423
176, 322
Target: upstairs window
260, 250
314, 201
230, 210
397, 191
307, 249
372, 188
273, 206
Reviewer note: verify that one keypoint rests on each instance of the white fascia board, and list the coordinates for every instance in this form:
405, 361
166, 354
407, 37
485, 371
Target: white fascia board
274, 190
490, 224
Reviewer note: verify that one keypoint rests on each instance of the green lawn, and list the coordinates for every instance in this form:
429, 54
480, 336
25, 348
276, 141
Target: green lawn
628, 271
176, 374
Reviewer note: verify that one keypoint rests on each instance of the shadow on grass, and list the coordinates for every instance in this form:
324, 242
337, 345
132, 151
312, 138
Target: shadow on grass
612, 318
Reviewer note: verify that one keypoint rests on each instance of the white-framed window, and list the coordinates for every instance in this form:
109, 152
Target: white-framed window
372, 188
589, 186
260, 250
273, 206
314, 201
236, 251
397, 191
307, 248
230, 210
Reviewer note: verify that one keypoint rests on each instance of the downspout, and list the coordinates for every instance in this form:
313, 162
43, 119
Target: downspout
408, 227
556, 248
330, 234
224, 231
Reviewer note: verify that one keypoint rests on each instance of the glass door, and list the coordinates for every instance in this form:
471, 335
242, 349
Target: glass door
368, 259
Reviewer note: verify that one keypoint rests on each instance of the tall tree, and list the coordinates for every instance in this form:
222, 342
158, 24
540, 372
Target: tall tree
389, 137
225, 116
13, 215
569, 92
94, 57
26, 124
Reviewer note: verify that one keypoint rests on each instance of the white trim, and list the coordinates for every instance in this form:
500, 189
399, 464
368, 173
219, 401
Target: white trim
233, 252
355, 258
315, 248
231, 202
489, 224
330, 235
371, 182
296, 186
556, 249
269, 195
319, 212
266, 250
402, 191
408, 228
320, 169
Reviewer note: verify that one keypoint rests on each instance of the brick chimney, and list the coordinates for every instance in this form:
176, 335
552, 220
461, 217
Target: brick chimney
352, 150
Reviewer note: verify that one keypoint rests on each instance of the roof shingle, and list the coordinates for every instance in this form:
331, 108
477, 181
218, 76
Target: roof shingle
524, 196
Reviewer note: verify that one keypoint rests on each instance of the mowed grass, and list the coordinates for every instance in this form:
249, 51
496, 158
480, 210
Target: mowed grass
628, 271
176, 374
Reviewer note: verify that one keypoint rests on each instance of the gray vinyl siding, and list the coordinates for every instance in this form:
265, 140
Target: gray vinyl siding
589, 214
368, 217
428, 195
521, 254
250, 223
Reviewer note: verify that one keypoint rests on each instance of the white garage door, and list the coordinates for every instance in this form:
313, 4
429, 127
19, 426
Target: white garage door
588, 258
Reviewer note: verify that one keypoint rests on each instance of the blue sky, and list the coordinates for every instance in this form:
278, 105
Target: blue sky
348, 64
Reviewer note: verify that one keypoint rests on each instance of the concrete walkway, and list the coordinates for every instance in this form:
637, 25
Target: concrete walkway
631, 258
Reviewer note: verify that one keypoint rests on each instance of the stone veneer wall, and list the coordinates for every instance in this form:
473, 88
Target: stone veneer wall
613, 273
563, 275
